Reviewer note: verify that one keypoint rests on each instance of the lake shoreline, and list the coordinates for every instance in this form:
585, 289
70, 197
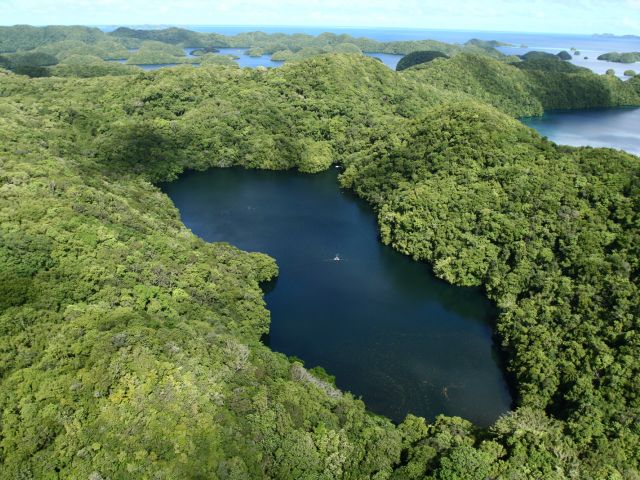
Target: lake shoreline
278, 300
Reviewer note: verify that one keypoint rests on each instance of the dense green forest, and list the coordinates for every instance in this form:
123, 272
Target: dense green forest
528, 87
418, 58
284, 43
129, 348
564, 55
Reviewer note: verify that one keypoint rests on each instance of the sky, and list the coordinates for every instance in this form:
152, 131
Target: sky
570, 16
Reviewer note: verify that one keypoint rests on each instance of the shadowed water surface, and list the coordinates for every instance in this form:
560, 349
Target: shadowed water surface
382, 324
390, 60
613, 127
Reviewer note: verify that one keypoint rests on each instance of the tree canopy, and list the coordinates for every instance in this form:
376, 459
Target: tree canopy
130, 348
418, 58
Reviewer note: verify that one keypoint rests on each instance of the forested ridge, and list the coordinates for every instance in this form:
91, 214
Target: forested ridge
625, 57
526, 88
35, 51
129, 348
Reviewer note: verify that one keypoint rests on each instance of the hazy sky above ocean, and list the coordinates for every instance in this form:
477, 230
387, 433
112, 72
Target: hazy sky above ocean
570, 16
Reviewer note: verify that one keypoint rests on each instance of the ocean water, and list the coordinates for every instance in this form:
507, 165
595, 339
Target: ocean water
247, 61
599, 127
389, 59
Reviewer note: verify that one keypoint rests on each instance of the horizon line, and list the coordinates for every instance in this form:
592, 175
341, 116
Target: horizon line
362, 27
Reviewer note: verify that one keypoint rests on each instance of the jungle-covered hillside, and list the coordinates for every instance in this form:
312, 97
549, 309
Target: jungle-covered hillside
129, 348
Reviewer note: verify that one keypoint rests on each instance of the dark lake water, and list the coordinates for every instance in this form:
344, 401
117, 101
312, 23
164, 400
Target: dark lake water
613, 127
388, 59
245, 60
156, 66
382, 324
149, 67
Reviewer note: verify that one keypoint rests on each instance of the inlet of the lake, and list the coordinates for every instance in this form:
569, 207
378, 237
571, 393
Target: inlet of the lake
599, 127
387, 329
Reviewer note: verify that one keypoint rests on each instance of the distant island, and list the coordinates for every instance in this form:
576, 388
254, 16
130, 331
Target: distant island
611, 35
417, 58
628, 57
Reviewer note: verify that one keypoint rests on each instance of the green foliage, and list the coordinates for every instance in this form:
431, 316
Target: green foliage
630, 73
316, 156
564, 55
31, 59
418, 58
129, 348
548, 63
627, 57
215, 59
31, 71
85, 66
528, 87
204, 51
487, 44
154, 52
308, 52
174, 36
405, 48
32, 64
105, 49
486, 201
346, 48
255, 52
26, 37
491, 81
278, 42
283, 56
161, 46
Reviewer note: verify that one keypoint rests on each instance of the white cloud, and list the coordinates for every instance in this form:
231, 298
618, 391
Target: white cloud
632, 24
